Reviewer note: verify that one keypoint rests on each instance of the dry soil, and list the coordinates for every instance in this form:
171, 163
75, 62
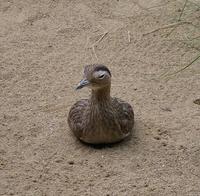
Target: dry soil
44, 45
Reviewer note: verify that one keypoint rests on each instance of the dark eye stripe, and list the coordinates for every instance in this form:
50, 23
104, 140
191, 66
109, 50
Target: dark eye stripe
102, 68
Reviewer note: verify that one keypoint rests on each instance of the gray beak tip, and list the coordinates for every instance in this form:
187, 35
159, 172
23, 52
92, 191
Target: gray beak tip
82, 84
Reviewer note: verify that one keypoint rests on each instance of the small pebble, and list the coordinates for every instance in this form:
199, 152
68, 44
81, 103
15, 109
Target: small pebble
156, 137
107, 175
164, 143
146, 185
71, 162
197, 101
11, 193
58, 160
181, 147
34, 180
166, 109
152, 189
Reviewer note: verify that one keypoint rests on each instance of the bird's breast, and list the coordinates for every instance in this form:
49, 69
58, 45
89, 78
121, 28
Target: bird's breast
101, 126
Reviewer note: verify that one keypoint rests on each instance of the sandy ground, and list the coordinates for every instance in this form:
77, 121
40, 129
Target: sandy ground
43, 48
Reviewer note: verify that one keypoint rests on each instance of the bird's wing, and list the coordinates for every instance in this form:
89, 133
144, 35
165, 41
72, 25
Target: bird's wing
125, 115
75, 117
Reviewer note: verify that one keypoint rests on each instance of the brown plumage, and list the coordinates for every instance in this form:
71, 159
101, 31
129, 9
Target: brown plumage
101, 118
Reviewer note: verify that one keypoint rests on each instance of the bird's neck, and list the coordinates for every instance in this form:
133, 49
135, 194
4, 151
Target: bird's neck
101, 95
99, 106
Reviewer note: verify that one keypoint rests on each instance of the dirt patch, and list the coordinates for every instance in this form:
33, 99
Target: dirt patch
43, 48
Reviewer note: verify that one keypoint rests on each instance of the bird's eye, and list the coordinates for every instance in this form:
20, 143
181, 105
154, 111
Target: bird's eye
101, 76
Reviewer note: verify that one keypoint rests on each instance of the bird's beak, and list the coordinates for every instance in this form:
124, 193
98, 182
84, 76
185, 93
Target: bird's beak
82, 83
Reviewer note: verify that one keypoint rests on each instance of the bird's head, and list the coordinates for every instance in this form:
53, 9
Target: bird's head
95, 77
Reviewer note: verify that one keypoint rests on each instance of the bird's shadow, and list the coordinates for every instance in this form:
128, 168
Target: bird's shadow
111, 145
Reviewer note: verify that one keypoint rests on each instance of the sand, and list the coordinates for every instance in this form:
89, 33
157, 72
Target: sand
44, 46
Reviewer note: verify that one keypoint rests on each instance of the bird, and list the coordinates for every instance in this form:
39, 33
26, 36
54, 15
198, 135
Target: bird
100, 119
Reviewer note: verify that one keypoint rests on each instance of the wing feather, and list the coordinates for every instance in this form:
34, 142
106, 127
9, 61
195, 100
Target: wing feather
125, 115
75, 119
